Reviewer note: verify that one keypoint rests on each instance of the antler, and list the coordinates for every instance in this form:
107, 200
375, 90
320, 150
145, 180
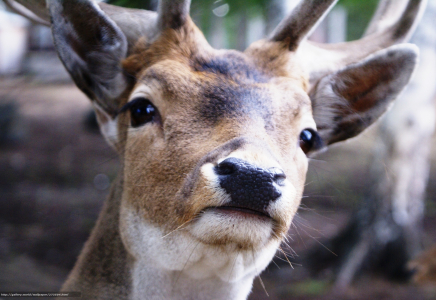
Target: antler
393, 23
301, 20
388, 11
134, 23
138, 22
172, 14
34, 10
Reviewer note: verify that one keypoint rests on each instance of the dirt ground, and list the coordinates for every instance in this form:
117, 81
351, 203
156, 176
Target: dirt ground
54, 176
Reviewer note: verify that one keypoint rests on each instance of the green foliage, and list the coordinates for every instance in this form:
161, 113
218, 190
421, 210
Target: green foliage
236, 6
201, 12
144, 4
311, 288
359, 15
359, 12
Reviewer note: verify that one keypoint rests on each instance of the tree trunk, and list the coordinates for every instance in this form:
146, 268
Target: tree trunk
386, 232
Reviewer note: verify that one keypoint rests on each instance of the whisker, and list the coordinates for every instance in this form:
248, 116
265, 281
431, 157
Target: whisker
284, 260
320, 243
309, 227
187, 260
257, 272
263, 285
177, 228
231, 270
324, 246
298, 233
286, 257
275, 262
293, 252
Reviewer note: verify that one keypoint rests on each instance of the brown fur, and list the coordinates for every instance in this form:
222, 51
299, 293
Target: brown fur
96, 270
424, 267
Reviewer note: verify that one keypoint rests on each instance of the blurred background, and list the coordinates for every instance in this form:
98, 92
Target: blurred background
366, 228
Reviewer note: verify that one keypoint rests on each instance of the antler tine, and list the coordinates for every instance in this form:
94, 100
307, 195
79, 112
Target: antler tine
387, 12
389, 32
397, 18
172, 13
133, 22
34, 10
301, 21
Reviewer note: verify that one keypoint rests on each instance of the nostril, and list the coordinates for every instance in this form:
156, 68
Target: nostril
278, 175
227, 167
279, 179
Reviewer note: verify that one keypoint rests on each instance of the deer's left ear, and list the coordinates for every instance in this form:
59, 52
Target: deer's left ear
91, 47
348, 101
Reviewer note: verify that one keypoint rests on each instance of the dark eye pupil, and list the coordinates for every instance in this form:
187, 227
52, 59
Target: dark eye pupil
307, 140
142, 112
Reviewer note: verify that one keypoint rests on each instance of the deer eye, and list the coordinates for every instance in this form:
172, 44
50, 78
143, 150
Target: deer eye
309, 140
141, 110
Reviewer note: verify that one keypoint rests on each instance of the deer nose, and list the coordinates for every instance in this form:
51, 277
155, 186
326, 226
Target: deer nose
249, 186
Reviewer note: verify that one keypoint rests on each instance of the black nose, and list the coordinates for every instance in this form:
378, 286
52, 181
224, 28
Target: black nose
249, 186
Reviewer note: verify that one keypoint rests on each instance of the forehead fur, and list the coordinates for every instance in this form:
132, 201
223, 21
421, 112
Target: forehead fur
262, 61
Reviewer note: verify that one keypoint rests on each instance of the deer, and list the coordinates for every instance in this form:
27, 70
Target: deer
214, 144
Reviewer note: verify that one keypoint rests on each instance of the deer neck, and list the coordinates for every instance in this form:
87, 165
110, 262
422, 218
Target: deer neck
106, 269
159, 284
103, 268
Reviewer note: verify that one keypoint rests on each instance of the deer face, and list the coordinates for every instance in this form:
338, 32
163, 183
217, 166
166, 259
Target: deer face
214, 143
220, 154
214, 150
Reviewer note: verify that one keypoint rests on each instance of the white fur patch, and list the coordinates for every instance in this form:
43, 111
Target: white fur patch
108, 126
181, 266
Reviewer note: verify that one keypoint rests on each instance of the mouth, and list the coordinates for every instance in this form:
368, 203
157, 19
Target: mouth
240, 212
230, 225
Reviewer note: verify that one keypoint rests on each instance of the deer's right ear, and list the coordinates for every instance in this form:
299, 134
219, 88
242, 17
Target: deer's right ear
91, 47
346, 102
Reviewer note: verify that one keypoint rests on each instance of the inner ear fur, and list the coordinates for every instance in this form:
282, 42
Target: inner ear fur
91, 47
346, 102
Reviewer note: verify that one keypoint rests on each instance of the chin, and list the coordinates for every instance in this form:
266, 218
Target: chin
235, 227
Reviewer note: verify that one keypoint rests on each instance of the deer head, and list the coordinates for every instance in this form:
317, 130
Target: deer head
214, 144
